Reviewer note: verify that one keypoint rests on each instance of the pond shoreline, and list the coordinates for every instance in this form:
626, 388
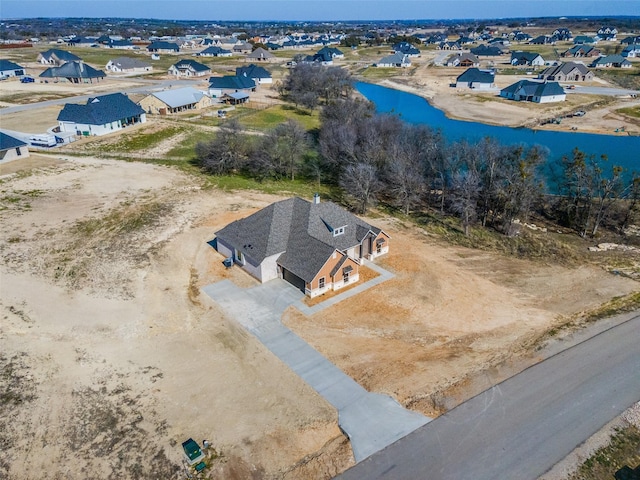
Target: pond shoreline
503, 115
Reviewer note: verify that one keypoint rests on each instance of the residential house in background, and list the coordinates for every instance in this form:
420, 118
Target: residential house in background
12, 148
543, 40
611, 61
476, 79
128, 65
214, 51
449, 46
163, 47
178, 100
73, 72
316, 246
57, 57
631, 51
189, 68
406, 49
487, 51
567, 72
221, 86
10, 69
121, 45
562, 34
242, 47
462, 60
397, 60
538, 92
584, 40
531, 59
578, 51
261, 55
608, 33
100, 115
258, 74
630, 40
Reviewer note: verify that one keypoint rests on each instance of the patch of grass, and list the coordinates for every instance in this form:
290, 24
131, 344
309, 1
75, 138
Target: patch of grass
380, 72
630, 111
142, 140
185, 150
623, 450
123, 220
273, 116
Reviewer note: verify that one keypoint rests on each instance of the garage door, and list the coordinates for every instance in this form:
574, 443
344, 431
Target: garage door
294, 280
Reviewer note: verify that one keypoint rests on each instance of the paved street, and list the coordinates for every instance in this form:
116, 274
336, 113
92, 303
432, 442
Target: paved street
371, 421
520, 428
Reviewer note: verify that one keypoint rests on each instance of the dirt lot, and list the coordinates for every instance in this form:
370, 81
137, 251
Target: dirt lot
110, 357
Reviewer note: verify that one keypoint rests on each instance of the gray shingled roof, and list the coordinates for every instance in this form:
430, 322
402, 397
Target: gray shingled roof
477, 75
252, 71
73, 70
9, 65
100, 110
564, 68
300, 231
126, 63
232, 82
536, 89
196, 66
61, 55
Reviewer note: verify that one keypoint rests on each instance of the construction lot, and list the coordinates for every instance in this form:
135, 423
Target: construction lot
115, 357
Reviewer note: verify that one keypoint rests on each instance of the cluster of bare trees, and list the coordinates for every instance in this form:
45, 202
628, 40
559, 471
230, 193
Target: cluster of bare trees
378, 158
309, 83
280, 153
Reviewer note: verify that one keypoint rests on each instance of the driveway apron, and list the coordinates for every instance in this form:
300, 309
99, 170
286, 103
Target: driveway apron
372, 421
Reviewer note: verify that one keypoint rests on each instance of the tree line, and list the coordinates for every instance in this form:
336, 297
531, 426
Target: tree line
377, 158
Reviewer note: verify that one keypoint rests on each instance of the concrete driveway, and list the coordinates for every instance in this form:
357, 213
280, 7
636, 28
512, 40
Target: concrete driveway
371, 421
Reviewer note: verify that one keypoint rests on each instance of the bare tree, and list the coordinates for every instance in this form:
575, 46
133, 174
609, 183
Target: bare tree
360, 182
227, 152
465, 190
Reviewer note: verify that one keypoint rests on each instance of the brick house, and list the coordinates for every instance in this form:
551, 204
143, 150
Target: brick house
316, 246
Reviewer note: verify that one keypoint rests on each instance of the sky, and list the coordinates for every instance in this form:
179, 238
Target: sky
315, 10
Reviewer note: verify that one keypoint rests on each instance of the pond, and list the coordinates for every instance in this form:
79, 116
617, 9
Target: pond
622, 151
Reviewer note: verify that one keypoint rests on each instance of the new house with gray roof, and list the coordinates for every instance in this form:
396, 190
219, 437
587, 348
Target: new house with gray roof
10, 69
476, 79
57, 57
100, 115
538, 92
316, 246
567, 72
74, 72
12, 148
128, 65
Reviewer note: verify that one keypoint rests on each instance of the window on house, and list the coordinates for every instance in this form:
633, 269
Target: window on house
338, 231
18, 151
345, 277
321, 282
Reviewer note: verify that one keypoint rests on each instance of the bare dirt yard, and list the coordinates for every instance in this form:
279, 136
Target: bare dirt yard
110, 357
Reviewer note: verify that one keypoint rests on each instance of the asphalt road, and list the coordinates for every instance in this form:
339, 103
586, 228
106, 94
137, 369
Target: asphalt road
522, 427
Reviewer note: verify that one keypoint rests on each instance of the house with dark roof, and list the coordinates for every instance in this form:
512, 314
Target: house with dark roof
177, 100
189, 68
214, 51
449, 46
397, 60
531, 59
631, 51
630, 40
100, 115
584, 40
611, 61
242, 47
531, 91
122, 44
258, 74
57, 57
12, 148
220, 86
74, 72
585, 50
567, 72
487, 51
562, 34
10, 69
128, 65
607, 33
476, 79
543, 40
163, 47
406, 48
463, 59
316, 246
261, 55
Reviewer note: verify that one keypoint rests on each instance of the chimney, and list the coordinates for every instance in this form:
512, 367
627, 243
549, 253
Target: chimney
316, 198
